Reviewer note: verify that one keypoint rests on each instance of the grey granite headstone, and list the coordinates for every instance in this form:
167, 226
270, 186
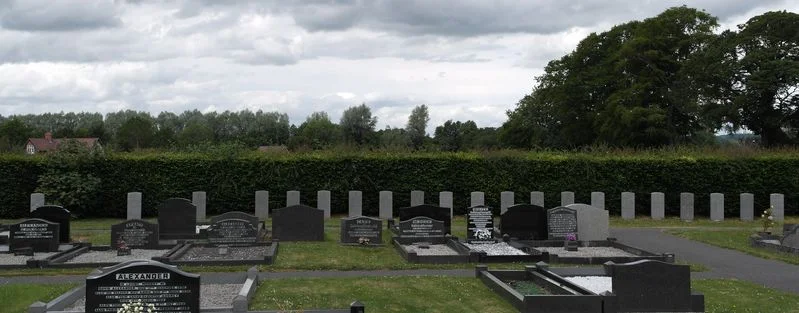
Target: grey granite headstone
562, 221
506, 200
134, 205
687, 206
747, 207
422, 227
598, 199
298, 223
592, 223
777, 201
37, 200
627, 205
354, 230
292, 197
433, 212
566, 198
652, 286
445, 201
658, 205
386, 205
355, 203
537, 198
198, 199
262, 204
135, 233
790, 235
477, 198
232, 232
323, 202
716, 207
417, 197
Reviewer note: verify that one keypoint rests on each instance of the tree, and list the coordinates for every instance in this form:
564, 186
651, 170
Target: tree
417, 126
136, 133
357, 124
393, 139
196, 132
14, 134
318, 131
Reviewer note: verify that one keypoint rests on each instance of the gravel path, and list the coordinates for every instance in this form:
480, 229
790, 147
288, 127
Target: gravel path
11, 259
234, 253
585, 252
110, 256
499, 248
215, 295
596, 284
432, 250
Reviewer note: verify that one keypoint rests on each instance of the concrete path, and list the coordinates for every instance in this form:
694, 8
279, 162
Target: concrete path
723, 263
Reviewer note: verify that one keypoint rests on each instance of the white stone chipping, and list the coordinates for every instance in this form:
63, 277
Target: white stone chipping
585, 252
596, 284
110, 256
211, 295
432, 250
11, 259
499, 248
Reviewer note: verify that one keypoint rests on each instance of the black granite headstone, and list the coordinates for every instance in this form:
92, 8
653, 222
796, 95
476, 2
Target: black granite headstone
166, 287
652, 286
524, 222
358, 229
480, 225
434, 212
136, 234
422, 227
233, 232
55, 214
561, 221
236, 215
177, 219
35, 233
298, 223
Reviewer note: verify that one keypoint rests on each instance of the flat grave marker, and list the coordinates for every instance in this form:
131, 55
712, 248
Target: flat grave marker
135, 234
362, 230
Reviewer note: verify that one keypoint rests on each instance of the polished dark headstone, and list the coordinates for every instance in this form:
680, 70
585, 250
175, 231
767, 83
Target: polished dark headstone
421, 227
524, 222
358, 229
55, 214
298, 223
652, 286
233, 232
434, 212
136, 234
168, 288
480, 225
236, 215
38, 234
561, 222
177, 219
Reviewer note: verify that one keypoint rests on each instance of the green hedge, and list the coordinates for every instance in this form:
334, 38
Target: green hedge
231, 183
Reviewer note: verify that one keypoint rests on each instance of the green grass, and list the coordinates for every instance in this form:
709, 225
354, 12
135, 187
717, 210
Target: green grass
381, 294
701, 222
735, 240
735, 296
17, 297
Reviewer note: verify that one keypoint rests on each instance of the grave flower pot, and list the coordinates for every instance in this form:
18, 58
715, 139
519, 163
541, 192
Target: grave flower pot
570, 245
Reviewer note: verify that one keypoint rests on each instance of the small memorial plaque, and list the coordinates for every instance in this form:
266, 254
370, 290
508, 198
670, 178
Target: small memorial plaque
136, 234
232, 232
362, 230
421, 227
561, 222
37, 234
480, 225
166, 287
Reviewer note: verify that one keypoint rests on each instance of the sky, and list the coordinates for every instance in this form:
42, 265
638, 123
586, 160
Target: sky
466, 59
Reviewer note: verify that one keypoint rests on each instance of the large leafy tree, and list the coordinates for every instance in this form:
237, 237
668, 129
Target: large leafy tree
357, 124
318, 131
135, 133
417, 126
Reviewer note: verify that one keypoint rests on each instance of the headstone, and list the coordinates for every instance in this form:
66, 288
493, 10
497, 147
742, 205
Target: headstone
652, 286
598, 199
524, 222
561, 221
480, 225
658, 205
421, 227
134, 205
687, 206
362, 230
177, 219
252, 219
747, 207
386, 205
592, 223
790, 235
506, 200
169, 289
262, 204
417, 197
198, 199
477, 198
38, 234
135, 234
627, 205
537, 198
298, 223
433, 212
323, 202
566, 198
717, 207
232, 232
292, 197
37, 200
445, 201
355, 203
55, 214
777, 201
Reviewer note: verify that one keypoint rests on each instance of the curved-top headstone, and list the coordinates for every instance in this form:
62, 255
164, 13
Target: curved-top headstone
177, 219
431, 211
39, 234
236, 215
55, 214
233, 231
421, 227
524, 222
298, 223
135, 234
592, 222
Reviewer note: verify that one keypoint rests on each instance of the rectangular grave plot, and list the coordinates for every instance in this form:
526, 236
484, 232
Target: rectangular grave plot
459, 253
205, 254
558, 298
362, 230
39, 234
480, 225
136, 234
233, 232
561, 222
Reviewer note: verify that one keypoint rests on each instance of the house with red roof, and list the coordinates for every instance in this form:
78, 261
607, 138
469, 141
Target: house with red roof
46, 144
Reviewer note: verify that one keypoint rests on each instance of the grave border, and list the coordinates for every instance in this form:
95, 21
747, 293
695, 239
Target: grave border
172, 256
59, 260
611, 242
465, 255
757, 241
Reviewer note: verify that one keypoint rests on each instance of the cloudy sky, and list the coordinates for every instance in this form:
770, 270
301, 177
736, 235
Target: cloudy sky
466, 59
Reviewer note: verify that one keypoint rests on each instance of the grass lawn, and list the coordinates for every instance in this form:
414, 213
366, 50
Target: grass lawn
704, 222
734, 239
734, 296
16, 298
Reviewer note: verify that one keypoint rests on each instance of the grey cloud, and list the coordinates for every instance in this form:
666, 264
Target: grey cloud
57, 16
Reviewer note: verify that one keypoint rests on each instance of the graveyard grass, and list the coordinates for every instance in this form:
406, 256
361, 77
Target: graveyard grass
734, 296
17, 297
734, 239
